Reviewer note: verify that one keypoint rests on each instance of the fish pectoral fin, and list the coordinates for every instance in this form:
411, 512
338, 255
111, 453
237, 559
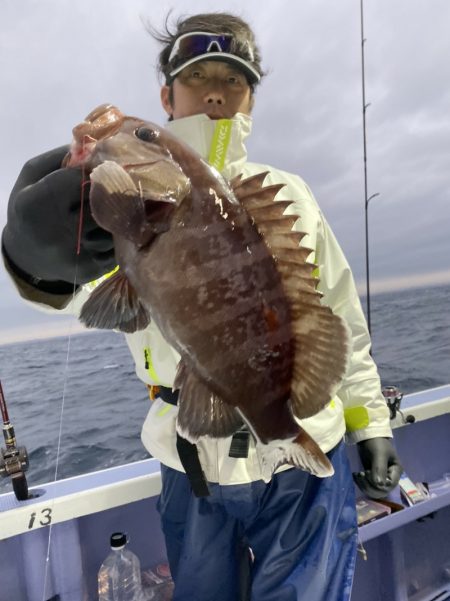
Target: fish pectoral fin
301, 452
116, 203
115, 305
200, 411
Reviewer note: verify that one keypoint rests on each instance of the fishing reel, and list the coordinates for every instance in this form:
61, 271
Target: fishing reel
14, 463
13, 459
393, 397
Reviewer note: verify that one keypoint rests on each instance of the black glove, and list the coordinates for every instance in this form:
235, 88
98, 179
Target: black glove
41, 235
382, 467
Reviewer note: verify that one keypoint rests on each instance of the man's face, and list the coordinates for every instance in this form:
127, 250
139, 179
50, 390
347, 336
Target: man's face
216, 88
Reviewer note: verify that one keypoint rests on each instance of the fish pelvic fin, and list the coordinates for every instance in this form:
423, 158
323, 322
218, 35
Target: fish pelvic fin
321, 338
115, 305
300, 452
200, 411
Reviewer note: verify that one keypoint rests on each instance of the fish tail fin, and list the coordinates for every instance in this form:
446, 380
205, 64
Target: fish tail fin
114, 304
301, 452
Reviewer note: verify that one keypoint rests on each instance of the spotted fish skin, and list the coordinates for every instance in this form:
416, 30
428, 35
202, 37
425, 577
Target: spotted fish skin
229, 317
212, 265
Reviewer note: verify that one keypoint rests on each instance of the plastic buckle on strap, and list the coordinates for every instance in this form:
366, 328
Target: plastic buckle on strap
153, 391
240, 444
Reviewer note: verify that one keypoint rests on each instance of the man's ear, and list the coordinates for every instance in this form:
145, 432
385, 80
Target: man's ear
166, 98
251, 103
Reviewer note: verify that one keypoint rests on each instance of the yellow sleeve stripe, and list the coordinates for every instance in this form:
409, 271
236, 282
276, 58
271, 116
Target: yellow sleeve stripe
316, 271
164, 410
356, 418
94, 283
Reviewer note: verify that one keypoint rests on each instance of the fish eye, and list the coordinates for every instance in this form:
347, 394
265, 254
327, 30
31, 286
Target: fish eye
145, 134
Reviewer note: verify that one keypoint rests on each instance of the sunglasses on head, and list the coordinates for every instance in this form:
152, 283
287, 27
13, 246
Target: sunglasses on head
195, 43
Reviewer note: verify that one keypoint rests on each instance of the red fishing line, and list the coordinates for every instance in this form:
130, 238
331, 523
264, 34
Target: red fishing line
80, 221
84, 182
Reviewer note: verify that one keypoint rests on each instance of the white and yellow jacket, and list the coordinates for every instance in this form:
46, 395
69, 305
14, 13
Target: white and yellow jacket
358, 408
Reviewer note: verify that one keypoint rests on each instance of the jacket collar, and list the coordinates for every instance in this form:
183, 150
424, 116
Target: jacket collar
221, 143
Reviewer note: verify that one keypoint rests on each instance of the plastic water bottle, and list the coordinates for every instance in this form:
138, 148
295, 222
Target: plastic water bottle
119, 578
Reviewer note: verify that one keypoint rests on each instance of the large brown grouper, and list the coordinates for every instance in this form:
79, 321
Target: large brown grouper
220, 271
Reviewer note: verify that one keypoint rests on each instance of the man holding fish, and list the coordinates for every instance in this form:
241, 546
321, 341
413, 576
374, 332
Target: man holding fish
240, 311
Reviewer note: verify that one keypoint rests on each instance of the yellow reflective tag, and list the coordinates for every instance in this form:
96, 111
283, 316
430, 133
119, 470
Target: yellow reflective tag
356, 418
149, 365
220, 143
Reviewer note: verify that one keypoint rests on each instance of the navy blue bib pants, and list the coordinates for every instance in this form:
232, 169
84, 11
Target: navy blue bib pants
301, 530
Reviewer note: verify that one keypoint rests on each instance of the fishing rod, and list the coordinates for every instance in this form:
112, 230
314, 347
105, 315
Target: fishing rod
366, 198
13, 459
392, 395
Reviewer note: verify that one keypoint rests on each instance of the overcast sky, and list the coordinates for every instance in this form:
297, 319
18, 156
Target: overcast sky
60, 58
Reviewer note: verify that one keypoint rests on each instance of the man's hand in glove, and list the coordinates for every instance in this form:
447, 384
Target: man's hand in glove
41, 236
382, 467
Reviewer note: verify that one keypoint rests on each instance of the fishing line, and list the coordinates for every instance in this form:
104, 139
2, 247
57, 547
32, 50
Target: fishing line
84, 182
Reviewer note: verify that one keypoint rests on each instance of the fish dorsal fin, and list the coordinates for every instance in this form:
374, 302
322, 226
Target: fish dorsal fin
321, 339
243, 187
200, 411
114, 304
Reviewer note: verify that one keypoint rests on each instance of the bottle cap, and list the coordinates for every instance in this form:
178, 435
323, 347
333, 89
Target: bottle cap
118, 540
